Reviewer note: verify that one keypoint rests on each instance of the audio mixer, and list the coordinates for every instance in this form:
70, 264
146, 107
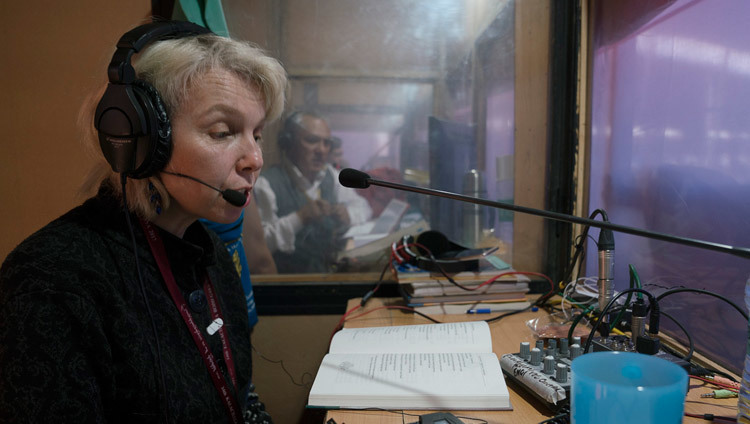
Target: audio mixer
544, 369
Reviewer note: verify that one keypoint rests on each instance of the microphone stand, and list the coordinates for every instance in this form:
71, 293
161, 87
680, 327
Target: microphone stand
358, 179
345, 176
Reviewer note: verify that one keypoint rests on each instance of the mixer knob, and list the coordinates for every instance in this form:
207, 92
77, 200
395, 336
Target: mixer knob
524, 353
549, 364
561, 373
564, 346
536, 356
575, 351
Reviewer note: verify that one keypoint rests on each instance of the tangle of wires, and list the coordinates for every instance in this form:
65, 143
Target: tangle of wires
425, 251
580, 294
585, 302
579, 299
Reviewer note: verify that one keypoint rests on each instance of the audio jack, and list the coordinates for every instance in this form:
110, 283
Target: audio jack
724, 381
720, 394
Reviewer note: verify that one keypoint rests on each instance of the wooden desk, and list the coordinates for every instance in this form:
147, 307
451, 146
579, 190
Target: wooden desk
507, 334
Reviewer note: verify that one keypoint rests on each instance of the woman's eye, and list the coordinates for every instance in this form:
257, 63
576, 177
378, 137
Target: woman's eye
218, 135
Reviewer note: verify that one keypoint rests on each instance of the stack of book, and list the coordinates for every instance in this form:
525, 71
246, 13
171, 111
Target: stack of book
432, 293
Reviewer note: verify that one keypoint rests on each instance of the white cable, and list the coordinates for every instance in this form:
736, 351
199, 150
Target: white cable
574, 286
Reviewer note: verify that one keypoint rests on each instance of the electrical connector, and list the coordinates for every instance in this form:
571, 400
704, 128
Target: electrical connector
638, 320
647, 345
720, 394
725, 381
366, 297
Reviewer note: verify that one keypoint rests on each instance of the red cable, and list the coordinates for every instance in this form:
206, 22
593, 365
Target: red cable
491, 280
395, 273
341, 322
716, 383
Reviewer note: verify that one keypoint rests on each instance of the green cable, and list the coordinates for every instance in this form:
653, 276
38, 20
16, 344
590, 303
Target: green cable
576, 320
634, 281
634, 274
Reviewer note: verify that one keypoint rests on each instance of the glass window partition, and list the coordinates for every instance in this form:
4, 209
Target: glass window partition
670, 147
419, 92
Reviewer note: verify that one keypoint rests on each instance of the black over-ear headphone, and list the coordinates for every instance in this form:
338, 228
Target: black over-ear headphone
444, 253
135, 134
288, 130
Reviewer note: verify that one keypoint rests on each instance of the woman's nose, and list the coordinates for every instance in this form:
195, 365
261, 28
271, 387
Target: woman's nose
252, 156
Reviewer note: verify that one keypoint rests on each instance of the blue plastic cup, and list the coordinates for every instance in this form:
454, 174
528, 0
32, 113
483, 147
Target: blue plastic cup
626, 387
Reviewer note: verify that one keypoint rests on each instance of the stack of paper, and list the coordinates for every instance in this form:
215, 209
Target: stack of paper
433, 293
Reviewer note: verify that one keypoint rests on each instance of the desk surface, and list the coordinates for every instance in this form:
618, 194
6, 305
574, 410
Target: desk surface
507, 334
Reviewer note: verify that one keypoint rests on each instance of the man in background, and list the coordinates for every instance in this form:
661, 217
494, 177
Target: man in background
304, 210
336, 154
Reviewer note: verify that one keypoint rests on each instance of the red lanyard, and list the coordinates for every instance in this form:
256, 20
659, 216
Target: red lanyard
160, 254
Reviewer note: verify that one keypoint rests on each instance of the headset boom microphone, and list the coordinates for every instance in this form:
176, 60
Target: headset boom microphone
233, 197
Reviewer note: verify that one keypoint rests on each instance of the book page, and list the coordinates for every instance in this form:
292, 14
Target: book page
411, 380
446, 338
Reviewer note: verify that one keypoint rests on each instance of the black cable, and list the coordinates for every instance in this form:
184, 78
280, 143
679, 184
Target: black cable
123, 181
585, 312
440, 268
689, 354
286, 371
701, 371
426, 316
580, 246
712, 417
403, 413
582, 259
507, 314
563, 417
653, 324
701, 291
633, 279
371, 293
575, 322
341, 323
560, 418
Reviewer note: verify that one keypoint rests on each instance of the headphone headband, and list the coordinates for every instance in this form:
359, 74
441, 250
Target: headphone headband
120, 70
135, 134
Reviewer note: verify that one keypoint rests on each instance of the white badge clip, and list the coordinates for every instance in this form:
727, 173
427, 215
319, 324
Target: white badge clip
214, 326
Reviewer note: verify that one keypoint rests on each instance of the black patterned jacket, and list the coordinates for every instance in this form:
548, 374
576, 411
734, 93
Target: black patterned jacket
77, 340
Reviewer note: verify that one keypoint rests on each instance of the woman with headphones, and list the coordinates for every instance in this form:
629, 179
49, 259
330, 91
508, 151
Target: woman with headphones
126, 309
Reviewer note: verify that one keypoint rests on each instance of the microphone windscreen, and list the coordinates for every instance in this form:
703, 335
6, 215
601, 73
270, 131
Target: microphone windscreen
353, 178
234, 197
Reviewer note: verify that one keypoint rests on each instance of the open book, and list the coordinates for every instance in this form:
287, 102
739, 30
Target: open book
435, 366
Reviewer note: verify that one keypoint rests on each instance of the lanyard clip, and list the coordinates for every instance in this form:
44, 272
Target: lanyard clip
214, 326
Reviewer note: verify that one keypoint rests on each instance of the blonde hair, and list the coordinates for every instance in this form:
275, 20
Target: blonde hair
173, 67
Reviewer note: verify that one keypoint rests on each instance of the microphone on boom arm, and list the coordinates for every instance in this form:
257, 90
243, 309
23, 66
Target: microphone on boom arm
357, 179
